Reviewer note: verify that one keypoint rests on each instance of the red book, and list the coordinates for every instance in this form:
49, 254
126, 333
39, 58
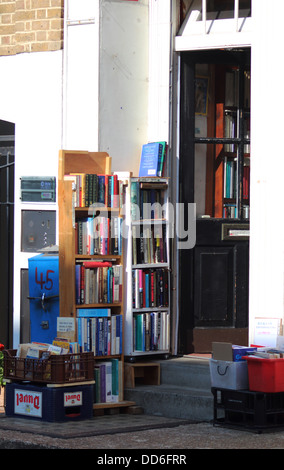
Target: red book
97, 264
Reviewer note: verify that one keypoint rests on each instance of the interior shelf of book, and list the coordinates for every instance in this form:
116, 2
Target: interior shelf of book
148, 315
222, 146
235, 168
91, 264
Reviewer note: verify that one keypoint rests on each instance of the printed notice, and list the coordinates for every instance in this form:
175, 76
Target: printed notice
266, 331
66, 328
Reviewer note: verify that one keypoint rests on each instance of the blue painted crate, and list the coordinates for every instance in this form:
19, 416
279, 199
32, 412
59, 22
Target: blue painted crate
53, 404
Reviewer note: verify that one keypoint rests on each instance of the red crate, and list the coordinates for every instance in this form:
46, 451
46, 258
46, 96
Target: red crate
265, 375
57, 369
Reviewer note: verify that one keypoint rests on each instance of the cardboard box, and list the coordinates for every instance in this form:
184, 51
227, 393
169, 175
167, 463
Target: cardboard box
229, 351
229, 374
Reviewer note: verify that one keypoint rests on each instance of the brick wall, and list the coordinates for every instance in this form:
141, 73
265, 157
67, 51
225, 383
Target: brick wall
30, 26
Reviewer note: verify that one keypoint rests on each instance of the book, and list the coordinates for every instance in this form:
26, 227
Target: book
102, 372
93, 312
108, 381
97, 387
150, 159
134, 199
162, 159
115, 380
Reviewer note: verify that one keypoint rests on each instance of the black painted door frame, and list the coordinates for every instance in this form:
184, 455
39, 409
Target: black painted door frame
214, 275
7, 133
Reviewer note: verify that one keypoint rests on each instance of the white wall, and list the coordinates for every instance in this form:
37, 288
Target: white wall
81, 75
123, 83
30, 96
160, 31
267, 164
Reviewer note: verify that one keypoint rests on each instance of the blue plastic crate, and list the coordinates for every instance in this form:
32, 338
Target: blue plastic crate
49, 403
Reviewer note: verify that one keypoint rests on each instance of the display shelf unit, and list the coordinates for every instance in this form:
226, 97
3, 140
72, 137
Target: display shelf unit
147, 314
90, 276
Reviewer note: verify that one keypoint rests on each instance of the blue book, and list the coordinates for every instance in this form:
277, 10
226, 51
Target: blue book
147, 295
105, 329
93, 312
150, 159
100, 336
77, 283
79, 332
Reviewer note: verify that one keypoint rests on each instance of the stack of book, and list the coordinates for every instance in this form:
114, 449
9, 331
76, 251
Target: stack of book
151, 331
98, 284
99, 236
108, 381
95, 189
99, 331
149, 244
150, 288
147, 199
230, 178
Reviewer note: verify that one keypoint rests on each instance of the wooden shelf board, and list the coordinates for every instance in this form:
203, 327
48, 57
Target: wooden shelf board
119, 404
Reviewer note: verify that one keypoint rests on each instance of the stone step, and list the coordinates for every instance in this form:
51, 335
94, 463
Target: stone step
186, 372
173, 401
184, 391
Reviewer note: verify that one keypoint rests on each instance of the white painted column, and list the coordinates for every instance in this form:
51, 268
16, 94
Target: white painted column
159, 69
267, 163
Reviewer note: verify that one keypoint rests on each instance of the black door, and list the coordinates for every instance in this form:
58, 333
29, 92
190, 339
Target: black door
214, 174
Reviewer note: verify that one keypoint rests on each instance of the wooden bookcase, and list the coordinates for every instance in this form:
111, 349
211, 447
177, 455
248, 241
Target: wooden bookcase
70, 214
147, 322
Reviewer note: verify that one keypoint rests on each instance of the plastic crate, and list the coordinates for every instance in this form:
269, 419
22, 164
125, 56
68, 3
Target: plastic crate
57, 369
229, 374
265, 375
45, 403
247, 410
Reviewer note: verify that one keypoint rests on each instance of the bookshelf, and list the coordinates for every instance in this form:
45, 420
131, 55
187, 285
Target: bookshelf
147, 315
91, 265
226, 139
233, 123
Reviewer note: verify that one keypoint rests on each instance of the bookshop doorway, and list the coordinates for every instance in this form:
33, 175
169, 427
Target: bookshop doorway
7, 138
214, 174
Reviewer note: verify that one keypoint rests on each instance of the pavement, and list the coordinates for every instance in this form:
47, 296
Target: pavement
137, 436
